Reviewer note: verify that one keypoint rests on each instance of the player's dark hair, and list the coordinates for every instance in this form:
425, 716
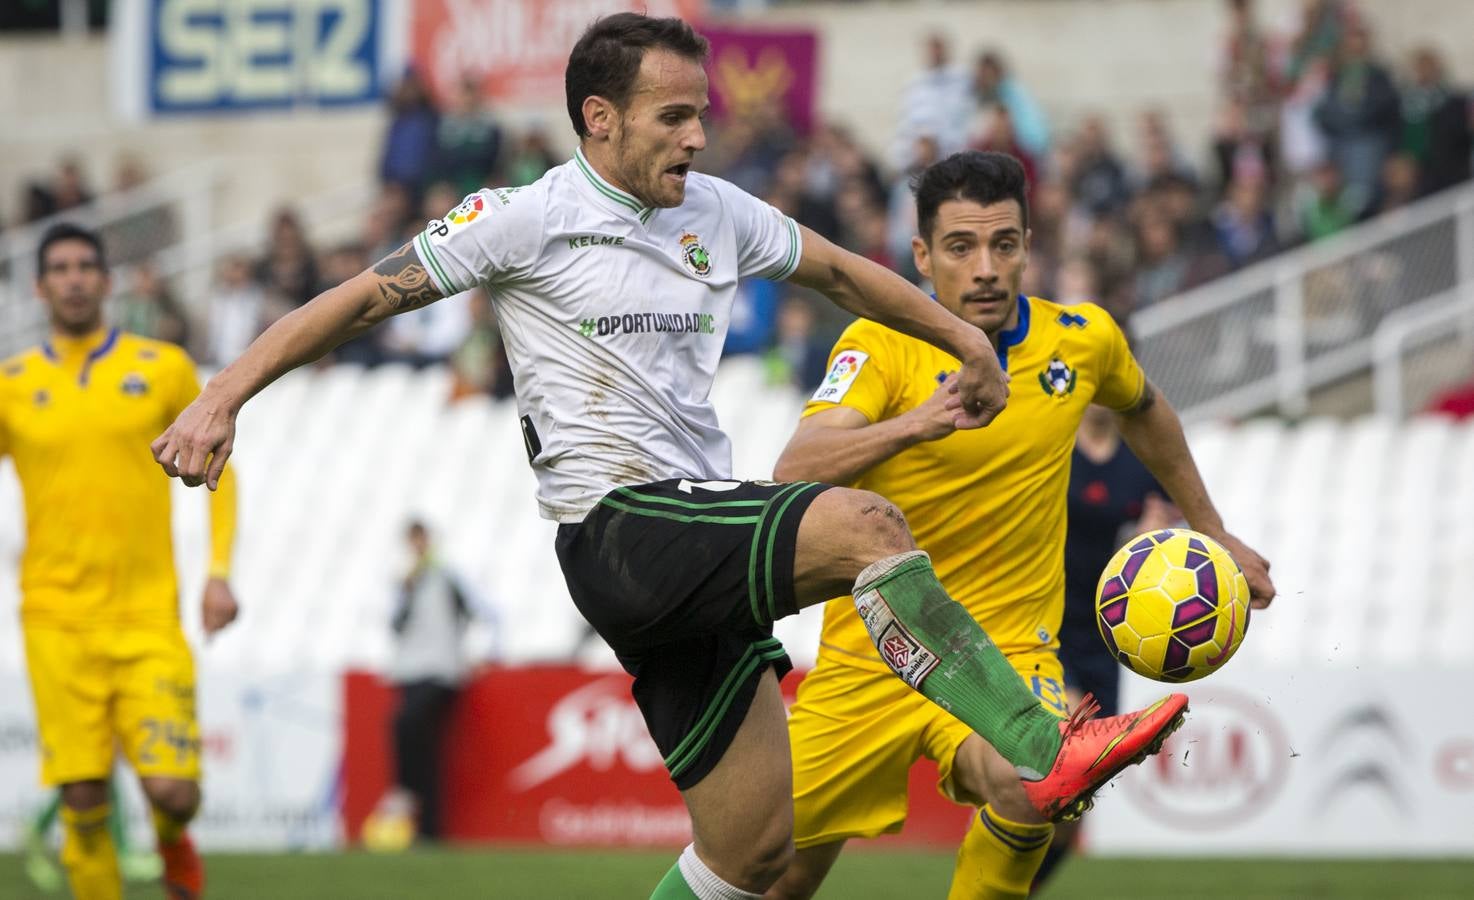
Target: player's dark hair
606, 60
67, 231
983, 177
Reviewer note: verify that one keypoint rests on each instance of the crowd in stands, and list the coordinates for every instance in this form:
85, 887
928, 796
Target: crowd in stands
1315, 130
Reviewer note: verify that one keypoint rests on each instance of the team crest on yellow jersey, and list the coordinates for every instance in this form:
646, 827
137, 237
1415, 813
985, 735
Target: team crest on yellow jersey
1059, 379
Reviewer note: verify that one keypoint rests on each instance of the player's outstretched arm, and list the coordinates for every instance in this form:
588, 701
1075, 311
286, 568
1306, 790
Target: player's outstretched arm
839, 445
195, 447
870, 290
1154, 433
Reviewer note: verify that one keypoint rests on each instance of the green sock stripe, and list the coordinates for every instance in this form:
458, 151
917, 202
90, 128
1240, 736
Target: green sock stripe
773, 540
687, 752
753, 580
635, 496
673, 886
678, 517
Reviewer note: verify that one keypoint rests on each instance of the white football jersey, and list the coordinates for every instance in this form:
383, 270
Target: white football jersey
613, 316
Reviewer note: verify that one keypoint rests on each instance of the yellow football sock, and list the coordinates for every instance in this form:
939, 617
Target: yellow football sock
88, 853
167, 827
998, 858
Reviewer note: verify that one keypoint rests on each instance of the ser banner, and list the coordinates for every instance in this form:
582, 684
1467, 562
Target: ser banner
1360, 761
172, 57
272, 752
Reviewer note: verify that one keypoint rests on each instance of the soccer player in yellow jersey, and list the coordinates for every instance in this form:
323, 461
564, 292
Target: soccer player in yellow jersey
988, 505
108, 661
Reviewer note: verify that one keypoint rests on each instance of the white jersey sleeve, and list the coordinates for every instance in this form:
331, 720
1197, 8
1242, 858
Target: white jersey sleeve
768, 243
493, 237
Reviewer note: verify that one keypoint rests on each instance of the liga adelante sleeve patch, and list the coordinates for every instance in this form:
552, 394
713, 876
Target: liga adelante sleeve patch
841, 376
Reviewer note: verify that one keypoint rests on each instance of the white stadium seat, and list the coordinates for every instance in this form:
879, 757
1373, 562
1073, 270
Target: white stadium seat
1368, 523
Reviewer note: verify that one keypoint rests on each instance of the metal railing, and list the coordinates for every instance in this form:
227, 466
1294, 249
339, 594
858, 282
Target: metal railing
1420, 349
1266, 338
135, 224
169, 222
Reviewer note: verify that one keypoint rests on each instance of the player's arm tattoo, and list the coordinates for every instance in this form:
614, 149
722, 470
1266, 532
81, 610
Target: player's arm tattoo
403, 283
1145, 402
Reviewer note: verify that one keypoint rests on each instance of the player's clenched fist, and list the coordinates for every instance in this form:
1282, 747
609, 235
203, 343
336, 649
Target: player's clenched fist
981, 391
194, 449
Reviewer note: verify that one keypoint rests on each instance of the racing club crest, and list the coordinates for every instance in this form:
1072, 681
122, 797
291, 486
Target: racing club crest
1059, 379
694, 255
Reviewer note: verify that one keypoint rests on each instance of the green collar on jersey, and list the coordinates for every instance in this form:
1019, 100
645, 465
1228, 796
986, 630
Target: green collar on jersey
610, 191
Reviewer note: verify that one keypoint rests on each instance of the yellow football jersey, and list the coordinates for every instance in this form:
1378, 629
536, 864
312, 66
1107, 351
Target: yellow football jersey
77, 416
988, 504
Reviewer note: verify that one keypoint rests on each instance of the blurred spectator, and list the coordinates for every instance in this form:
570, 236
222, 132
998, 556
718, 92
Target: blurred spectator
1247, 73
1244, 225
1164, 269
289, 268
901, 208
1077, 282
1099, 183
1323, 23
533, 157
1359, 116
1400, 179
65, 189
790, 193
479, 365
410, 141
391, 219
996, 132
994, 86
148, 307
1160, 157
1241, 152
338, 265
799, 356
935, 102
1436, 124
1324, 208
440, 198
429, 335
1302, 147
430, 619
237, 310
468, 141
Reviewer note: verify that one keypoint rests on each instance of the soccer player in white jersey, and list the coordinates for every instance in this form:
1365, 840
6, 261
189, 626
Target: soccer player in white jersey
613, 278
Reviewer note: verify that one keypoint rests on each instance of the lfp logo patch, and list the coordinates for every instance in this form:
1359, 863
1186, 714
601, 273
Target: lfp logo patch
1059, 379
841, 375
694, 255
467, 212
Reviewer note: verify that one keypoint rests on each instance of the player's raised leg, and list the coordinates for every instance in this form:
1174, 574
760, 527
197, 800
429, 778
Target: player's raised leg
858, 542
741, 812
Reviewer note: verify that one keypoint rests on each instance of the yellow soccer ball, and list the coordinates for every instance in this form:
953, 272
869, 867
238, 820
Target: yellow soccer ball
1172, 605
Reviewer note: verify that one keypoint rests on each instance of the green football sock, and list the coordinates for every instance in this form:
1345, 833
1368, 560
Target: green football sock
673, 886
936, 646
46, 817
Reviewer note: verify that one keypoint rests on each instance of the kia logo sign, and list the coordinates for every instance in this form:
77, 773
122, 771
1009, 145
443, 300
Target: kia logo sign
1222, 767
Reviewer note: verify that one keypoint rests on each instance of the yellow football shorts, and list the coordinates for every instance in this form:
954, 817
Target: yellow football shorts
855, 734
97, 691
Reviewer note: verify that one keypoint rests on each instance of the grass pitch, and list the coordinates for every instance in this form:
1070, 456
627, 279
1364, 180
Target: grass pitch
860, 875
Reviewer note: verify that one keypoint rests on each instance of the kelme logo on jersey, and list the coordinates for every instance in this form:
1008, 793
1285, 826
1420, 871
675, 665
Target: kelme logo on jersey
694, 255
648, 323
1059, 379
